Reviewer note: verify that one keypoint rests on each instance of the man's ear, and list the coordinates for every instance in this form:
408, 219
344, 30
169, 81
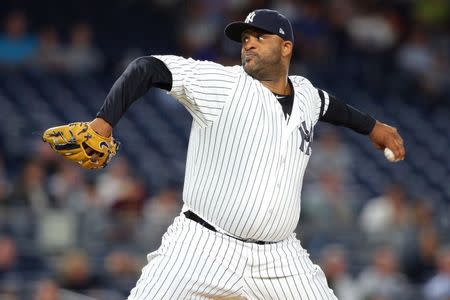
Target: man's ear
286, 48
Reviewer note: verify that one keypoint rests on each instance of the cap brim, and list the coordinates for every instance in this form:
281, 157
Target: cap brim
234, 30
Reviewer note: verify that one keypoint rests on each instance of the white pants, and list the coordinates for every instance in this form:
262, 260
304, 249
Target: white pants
196, 263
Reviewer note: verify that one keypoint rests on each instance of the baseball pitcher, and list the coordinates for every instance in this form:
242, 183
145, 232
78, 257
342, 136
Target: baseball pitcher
250, 142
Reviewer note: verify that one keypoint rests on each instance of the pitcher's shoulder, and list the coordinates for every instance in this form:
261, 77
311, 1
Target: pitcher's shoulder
237, 69
298, 80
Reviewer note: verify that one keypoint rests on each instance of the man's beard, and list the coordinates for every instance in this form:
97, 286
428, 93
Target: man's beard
259, 69
254, 69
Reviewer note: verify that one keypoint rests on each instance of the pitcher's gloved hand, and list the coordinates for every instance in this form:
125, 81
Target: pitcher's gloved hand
78, 142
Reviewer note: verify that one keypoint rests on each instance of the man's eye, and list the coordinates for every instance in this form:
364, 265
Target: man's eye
260, 37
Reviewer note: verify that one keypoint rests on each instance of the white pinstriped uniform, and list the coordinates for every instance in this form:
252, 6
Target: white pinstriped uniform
244, 173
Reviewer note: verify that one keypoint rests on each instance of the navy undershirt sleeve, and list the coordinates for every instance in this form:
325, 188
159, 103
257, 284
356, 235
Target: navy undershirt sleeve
342, 114
140, 75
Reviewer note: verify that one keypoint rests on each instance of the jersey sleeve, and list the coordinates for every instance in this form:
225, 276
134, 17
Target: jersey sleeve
203, 87
323, 103
317, 100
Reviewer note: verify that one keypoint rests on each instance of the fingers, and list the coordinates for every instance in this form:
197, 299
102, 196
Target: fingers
400, 148
396, 144
385, 136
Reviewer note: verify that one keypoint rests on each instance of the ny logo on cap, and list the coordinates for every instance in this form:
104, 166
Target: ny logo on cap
250, 17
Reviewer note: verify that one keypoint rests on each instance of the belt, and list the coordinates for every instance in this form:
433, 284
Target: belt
194, 217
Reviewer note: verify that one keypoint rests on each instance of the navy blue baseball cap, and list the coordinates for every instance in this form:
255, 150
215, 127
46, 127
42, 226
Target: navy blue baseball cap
267, 20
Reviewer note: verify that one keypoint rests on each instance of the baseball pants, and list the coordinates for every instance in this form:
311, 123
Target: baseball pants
194, 262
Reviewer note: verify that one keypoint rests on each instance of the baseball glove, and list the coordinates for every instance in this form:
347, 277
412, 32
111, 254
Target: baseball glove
78, 142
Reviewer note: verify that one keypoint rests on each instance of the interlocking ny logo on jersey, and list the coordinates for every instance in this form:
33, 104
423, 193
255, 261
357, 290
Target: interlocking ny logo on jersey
250, 17
306, 138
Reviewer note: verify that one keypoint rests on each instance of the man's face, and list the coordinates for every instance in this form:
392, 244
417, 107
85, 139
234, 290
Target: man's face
260, 53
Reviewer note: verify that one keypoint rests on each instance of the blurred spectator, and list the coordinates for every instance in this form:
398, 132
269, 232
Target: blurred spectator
122, 196
327, 147
386, 218
89, 198
159, 213
56, 231
115, 182
419, 258
48, 159
424, 214
92, 216
65, 186
199, 32
126, 214
10, 276
327, 205
289, 8
50, 54
338, 13
438, 287
310, 30
419, 252
47, 290
425, 63
382, 280
10, 293
30, 190
334, 264
327, 201
371, 30
81, 56
76, 273
131, 202
16, 45
122, 271
415, 56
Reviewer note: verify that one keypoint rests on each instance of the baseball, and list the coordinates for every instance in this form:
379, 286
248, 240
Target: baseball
389, 155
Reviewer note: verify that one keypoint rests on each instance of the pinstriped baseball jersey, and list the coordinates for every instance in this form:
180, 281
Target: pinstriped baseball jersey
245, 160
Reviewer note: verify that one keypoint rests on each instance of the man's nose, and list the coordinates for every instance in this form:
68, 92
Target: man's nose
249, 43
